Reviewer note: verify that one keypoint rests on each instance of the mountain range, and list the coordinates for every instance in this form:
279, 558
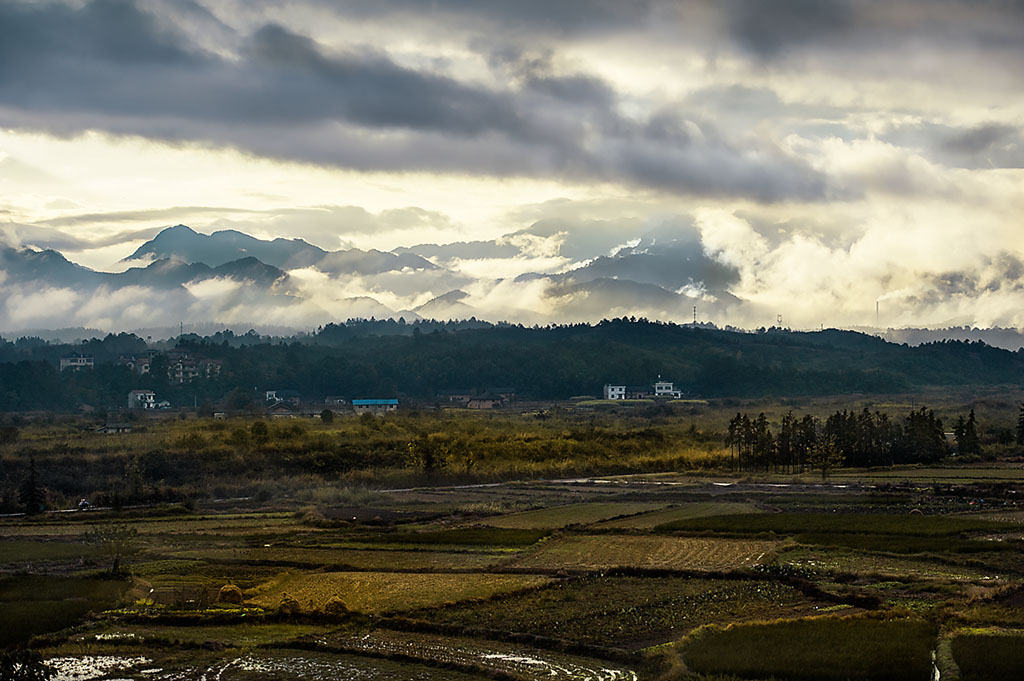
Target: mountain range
229, 276
229, 279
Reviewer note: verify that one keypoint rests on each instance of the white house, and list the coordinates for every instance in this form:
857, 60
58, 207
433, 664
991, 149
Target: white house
75, 361
614, 392
666, 389
142, 399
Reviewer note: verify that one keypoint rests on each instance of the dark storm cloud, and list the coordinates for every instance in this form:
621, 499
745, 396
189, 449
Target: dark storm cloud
987, 145
546, 16
111, 66
768, 28
861, 28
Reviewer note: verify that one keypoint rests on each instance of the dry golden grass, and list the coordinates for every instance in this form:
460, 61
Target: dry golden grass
378, 592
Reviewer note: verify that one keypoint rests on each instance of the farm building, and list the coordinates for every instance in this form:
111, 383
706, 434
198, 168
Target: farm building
375, 406
487, 401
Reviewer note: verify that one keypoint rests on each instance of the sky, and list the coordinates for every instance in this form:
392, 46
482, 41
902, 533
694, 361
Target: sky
832, 162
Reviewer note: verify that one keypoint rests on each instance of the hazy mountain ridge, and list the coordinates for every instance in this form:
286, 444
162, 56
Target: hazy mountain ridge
229, 277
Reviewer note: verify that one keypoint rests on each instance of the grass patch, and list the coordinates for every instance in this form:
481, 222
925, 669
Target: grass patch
20, 551
596, 552
817, 560
37, 604
573, 514
989, 657
856, 523
892, 543
816, 649
242, 635
378, 592
466, 536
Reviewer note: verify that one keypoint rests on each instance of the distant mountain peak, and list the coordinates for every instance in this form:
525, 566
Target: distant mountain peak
185, 244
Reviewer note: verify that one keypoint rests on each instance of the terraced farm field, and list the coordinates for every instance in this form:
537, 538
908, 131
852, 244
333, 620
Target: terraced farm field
698, 509
627, 612
604, 551
379, 592
573, 514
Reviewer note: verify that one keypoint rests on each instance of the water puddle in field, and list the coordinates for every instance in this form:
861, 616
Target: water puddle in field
247, 667
519, 661
90, 667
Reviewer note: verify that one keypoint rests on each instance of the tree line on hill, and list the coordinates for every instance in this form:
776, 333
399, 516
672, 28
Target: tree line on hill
387, 359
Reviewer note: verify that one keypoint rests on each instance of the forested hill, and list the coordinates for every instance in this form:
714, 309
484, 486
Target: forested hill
375, 359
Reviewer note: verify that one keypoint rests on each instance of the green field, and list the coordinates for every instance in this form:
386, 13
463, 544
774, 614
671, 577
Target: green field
574, 514
989, 656
827, 648
700, 509
908, 525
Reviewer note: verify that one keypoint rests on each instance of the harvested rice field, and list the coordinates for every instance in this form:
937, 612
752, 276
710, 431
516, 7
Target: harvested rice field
605, 551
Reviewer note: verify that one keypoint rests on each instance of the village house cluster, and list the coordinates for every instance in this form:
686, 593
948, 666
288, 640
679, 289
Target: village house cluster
658, 390
489, 398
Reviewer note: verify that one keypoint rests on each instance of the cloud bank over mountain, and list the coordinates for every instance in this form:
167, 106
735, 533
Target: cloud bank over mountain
529, 161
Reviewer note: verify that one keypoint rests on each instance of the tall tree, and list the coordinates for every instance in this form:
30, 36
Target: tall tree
1020, 425
968, 442
31, 495
826, 456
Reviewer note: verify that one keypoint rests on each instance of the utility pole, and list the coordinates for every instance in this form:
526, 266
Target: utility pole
695, 315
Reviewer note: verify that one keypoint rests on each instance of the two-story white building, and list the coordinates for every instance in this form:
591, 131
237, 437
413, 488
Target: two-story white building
614, 392
142, 399
666, 389
75, 361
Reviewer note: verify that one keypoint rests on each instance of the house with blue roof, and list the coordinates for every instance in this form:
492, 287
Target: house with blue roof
377, 407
